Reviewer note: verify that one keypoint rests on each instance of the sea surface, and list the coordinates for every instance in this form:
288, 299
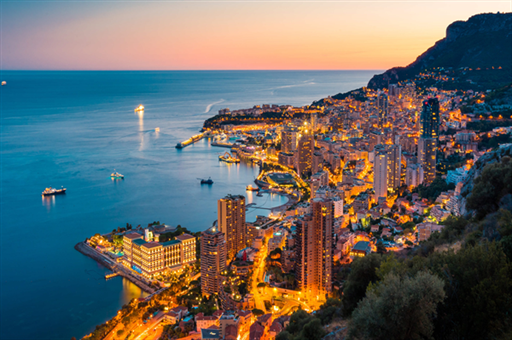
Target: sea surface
73, 129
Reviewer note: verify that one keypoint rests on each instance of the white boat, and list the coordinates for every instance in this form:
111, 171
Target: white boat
115, 174
157, 129
140, 108
4, 83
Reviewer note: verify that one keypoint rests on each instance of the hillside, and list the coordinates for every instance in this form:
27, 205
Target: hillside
483, 44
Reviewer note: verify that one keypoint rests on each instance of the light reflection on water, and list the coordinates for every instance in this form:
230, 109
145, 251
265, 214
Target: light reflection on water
73, 128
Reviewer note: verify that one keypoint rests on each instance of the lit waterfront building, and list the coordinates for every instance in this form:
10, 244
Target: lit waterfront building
380, 173
305, 154
313, 247
231, 221
152, 258
213, 260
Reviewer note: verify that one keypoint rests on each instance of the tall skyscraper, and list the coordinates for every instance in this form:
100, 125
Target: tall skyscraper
429, 134
213, 259
313, 246
305, 153
288, 139
231, 221
380, 172
382, 106
394, 166
429, 127
427, 158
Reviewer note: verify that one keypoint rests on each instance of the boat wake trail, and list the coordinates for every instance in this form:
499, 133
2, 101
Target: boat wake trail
296, 85
209, 107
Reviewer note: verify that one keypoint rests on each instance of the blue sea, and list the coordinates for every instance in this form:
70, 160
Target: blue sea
73, 129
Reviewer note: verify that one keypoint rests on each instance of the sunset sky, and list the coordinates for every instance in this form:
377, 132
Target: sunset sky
212, 35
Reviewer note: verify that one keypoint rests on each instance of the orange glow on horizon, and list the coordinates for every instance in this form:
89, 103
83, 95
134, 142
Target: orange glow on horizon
218, 35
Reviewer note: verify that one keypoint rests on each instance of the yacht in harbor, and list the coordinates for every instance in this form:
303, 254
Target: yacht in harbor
52, 191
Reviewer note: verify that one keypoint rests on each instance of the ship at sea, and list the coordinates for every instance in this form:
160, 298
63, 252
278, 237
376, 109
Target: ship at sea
251, 188
116, 174
208, 181
52, 191
139, 109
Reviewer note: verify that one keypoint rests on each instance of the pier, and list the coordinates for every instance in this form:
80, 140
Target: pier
111, 275
85, 249
189, 141
223, 144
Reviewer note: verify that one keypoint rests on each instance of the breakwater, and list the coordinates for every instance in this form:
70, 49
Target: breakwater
189, 141
86, 250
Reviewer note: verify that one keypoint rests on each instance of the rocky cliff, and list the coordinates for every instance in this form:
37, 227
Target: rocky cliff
483, 41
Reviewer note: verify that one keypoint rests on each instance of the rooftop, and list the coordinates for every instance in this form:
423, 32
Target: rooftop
184, 237
139, 241
132, 235
170, 243
362, 245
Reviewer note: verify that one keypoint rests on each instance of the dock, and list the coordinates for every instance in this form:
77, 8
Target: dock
85, 249
189, 141
111, 275
223, 144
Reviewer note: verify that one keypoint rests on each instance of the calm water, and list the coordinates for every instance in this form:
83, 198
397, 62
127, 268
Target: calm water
73, 129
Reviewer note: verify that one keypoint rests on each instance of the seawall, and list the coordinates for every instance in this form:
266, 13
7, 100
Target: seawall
86, 250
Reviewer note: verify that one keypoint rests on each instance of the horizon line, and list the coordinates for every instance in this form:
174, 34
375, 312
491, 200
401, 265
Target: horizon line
179, 70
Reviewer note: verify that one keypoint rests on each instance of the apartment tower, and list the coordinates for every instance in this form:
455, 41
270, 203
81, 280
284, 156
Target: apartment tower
313, 246
213, 259
231, 221
429, 134
380, 172
305, 153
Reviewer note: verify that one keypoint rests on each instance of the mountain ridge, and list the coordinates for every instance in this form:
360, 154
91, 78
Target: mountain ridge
483, 41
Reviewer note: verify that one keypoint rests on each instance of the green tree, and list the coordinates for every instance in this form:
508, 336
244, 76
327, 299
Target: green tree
398, 308
478, 285
494, 182
363, 272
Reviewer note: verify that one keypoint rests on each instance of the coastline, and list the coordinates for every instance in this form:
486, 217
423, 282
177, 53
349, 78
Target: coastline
86, 250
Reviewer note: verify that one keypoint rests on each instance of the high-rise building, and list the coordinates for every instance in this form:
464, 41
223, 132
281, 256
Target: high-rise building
288, 139
231, 221
394, 166
427, 158
382, 106
305, 153
375, 139
213, 259
429, 134
429, 127
380, 172
313, 247
317, 163
413, 175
